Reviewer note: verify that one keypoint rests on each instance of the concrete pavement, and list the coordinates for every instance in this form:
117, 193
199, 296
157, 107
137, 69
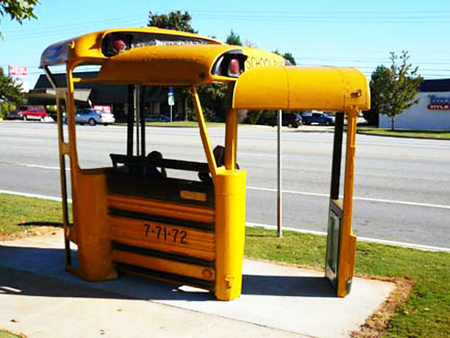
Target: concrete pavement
38, 298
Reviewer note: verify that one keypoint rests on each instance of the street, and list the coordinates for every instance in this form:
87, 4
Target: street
401, 185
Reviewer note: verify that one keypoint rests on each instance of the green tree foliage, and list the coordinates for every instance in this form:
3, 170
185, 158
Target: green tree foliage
234, 39
9, 93
174, 20
18, 10
394, 89
288, 56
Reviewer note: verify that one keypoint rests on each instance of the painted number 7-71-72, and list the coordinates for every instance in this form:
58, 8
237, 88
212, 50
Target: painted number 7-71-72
162, 233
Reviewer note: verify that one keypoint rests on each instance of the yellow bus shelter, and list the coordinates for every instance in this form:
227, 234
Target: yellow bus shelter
132, 216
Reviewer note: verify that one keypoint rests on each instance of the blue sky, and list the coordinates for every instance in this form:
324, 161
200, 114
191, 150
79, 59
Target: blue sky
358, 34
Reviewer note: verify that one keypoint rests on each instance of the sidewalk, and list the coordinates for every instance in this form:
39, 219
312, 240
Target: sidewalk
38, 298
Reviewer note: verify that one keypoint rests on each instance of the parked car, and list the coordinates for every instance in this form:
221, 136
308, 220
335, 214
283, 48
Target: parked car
157, 118
317, 118
289, 120
28, 113
92, 117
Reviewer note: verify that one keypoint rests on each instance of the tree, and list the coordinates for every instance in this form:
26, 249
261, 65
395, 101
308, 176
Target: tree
174, 20
394, 89
10, 92
288, 56
234, 39
18, 10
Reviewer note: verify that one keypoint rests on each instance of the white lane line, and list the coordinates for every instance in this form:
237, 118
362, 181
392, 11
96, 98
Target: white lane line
36, 166
362, 239
31, 165
376, 200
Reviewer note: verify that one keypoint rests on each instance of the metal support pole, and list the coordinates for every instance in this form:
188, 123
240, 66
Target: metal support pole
137, 109
130, 121
141, 117
279, 178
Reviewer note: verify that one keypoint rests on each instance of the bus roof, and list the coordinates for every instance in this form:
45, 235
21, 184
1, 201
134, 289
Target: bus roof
154, 56
89, 46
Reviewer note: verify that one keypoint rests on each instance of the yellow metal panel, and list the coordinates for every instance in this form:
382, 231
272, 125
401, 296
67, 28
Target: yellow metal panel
90, 220
175, 65
161, 208
230, 232
165, 265
258, 58
158, 65
262, 88
302, 88
163, 237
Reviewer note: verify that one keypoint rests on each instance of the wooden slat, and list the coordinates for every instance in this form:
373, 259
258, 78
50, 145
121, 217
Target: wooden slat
199, 214
165, 265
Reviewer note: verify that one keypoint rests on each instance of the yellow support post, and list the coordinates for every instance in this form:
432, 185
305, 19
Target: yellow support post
348, 239
204, 133
229, 190
90, 225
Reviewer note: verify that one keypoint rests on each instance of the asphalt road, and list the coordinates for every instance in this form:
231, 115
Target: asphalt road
402, 186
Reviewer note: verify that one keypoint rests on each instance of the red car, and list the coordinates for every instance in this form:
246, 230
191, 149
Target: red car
28, 113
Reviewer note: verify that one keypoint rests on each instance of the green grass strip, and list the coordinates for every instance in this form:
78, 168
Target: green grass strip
428, 134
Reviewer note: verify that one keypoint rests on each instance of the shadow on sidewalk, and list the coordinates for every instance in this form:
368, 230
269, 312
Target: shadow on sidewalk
40, 272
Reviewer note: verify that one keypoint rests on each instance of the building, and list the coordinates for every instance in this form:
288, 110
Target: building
432, 112
111, 95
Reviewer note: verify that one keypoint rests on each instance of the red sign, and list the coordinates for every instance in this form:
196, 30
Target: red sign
439, 106
17, 71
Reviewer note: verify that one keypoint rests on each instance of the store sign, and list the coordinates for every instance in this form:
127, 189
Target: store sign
438, 103
17, 71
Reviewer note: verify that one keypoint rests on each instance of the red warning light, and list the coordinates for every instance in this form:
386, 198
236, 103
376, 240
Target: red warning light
119, 45
234, 68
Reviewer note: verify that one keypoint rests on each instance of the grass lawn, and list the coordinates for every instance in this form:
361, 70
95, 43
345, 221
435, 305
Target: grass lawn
19, 215
426, 313
433, 134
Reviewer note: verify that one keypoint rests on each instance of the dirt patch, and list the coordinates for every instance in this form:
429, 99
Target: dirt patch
377, 324
41, 231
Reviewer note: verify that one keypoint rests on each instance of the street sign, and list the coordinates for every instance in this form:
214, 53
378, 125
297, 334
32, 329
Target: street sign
170, 99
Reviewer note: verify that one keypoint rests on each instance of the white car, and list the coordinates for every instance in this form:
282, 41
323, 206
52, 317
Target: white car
93, 117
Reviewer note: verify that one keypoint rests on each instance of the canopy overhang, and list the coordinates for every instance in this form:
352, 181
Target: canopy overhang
302, 88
